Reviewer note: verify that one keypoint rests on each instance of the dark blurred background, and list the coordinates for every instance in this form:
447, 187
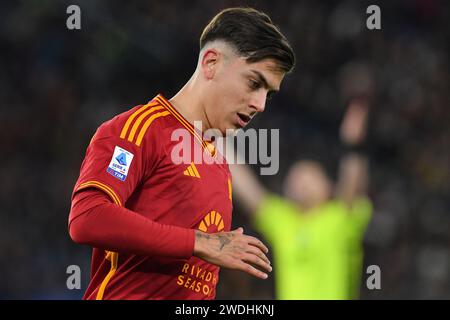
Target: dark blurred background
58, 85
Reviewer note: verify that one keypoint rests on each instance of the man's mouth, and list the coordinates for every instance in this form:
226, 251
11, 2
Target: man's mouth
243, 119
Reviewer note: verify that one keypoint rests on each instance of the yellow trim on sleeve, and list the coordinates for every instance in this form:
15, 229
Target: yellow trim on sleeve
104, 188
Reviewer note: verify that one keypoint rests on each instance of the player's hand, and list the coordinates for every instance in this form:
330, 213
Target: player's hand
233, 250
354, 125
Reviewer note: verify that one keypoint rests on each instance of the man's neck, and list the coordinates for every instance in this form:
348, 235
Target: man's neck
188, 103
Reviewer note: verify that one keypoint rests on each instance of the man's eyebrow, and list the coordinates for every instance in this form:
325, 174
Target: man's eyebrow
263, 79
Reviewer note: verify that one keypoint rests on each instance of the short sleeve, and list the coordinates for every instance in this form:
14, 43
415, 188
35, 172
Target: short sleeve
116, 164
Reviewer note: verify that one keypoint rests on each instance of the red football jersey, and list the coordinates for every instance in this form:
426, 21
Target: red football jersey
130, 158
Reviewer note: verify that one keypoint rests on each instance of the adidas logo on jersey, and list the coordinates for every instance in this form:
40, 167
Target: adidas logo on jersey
191, 171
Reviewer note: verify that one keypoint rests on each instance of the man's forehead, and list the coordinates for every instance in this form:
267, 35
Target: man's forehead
266, 65
269, 71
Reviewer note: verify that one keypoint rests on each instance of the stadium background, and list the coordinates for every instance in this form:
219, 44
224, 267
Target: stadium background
57, 86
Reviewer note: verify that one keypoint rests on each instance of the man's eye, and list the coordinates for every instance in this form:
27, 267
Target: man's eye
254, 84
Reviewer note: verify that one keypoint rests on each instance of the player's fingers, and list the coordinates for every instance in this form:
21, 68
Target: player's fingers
256, 251
241, 265
257, 261
257, 243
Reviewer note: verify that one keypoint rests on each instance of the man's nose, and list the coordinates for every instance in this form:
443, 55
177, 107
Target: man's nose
259, 101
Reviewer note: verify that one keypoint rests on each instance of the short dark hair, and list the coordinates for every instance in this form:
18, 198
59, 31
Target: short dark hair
252, 34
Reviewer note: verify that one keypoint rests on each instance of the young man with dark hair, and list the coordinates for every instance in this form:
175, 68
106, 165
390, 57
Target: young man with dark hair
161, 230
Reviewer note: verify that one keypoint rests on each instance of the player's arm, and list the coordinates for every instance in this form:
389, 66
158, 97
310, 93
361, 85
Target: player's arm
247, 189
100, 223
353, 173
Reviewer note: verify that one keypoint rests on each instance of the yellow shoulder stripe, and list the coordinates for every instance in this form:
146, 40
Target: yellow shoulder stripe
142, 115
134, 115
147, 124
139, 120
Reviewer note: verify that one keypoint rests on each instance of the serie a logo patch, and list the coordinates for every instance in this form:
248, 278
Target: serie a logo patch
120, 163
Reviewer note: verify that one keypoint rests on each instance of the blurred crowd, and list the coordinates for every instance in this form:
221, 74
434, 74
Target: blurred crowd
58, 85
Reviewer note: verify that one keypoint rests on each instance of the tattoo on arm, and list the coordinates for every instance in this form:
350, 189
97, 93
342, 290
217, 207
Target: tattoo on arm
202, 235
223, 241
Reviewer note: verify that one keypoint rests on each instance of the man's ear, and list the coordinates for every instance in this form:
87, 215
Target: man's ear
209, 63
